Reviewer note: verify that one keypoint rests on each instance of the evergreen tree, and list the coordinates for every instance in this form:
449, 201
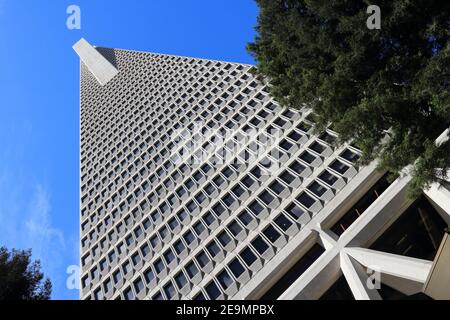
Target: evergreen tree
20, 278
393, 81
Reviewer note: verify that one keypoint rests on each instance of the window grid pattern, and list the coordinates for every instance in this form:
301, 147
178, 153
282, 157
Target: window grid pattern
156, 226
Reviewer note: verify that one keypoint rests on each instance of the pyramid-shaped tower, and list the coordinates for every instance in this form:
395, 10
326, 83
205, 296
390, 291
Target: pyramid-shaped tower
196, 184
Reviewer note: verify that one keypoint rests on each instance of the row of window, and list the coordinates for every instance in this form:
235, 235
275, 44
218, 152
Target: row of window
130, 156
127, 111
283, 221
189, 187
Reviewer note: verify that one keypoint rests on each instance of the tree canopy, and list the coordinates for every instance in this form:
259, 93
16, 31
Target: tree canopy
21, 278
370, 84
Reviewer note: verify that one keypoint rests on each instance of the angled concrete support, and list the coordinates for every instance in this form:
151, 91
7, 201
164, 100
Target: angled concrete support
357, 279
413, 271
439, 197
97, 64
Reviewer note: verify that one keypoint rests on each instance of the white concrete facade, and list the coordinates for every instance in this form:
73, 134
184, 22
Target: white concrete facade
195, 184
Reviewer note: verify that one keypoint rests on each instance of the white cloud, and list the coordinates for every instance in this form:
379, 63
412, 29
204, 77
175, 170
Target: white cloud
39, 225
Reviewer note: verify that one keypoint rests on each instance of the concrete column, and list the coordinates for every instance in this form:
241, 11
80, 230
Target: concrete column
357, 279
406, 274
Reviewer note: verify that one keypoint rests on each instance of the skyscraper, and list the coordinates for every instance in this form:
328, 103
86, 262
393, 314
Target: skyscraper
196, 184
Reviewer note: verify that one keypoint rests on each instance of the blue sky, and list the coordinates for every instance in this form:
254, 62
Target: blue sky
39, 111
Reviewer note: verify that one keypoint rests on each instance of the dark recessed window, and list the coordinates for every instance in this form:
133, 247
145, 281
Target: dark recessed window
137, 232
158, 296
236, 268
126, 267
225, 279
339, 166
297, 167
317, 147
280, 122
287, 177
154, 241
286, 145
307, 157
228, 200
200, 296
173, 223
218, 181
197, 176
169, 256
256, 208
224, 238
202, 259
248, 256
149, 275
117, 276
317, 188
227, 172
209, 189
128, 294
295, 211
107, 285
271, 233
350, 155
260, 245
180, 280
191, 206
206, 168
112, 256
163, 232
266, 197
189, 237
213, 248
138, 285
136, 258
256, 172
199, 228
245, 217
327, 137
209, 218
277, 187
238, 191
234, 228
159, 266
180, 192
189, 184
303, 126
146, 223
218, 209
129, 240
212, 290
98, 294
103, 264
283, 222
145, 249
200, 197
182, 215
169, 290
306, 200
327, 177
179, 247
294, 135
247, 181
191, 270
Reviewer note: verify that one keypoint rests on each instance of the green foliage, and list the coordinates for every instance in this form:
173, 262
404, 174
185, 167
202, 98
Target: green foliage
368, 83
20, 278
